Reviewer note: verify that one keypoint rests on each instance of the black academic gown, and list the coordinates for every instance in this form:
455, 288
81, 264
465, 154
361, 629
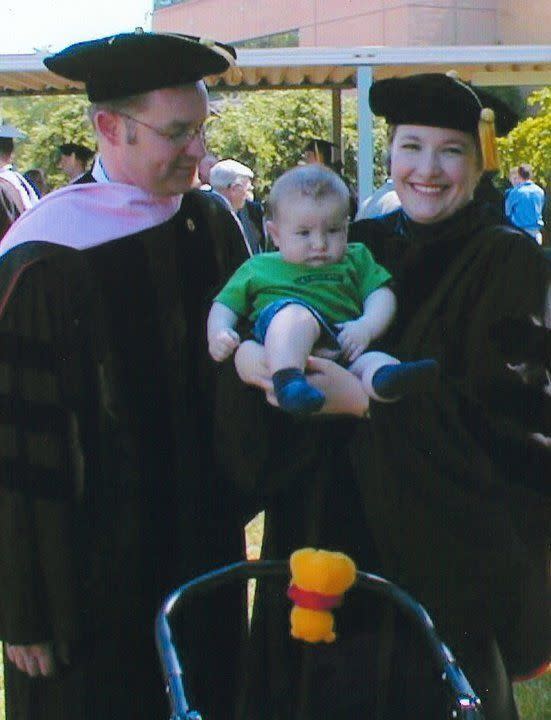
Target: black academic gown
444, 494
457, 491
10, 207
252, 219
229, 242
109, 494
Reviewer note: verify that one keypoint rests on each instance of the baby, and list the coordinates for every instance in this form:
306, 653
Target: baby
316, 294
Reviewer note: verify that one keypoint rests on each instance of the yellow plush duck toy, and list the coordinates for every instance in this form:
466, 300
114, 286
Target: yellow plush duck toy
319, 578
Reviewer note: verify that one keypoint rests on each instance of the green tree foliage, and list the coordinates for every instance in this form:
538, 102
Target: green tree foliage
267, 130
48, 122
264, 129
530, 141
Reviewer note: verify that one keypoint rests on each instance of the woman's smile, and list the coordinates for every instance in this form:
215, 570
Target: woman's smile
435, 171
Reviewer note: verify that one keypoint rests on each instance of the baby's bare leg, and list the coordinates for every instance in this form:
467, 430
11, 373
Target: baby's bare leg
367, 365
386, 379
288, 342
290, 338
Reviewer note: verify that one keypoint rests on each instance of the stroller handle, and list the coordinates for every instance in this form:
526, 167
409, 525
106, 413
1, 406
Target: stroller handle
464, 705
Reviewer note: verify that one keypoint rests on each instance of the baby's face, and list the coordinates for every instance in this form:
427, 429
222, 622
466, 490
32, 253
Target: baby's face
310, 232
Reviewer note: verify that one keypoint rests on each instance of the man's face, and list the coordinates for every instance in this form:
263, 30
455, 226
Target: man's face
68, 165
163, 158
239, 192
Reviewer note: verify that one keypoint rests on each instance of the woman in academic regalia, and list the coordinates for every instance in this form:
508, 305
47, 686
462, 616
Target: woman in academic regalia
451, 485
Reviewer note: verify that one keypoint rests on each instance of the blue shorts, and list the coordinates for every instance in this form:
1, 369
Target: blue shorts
328, 335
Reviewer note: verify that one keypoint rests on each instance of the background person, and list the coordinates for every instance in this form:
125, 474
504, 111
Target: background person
233, 182
24, 192
383, 201
319, 152
524, 203
322, 152
37, 178
74, 159
203, 170
10, 207
109, 496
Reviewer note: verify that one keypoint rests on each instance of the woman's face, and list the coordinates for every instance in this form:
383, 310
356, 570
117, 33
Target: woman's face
435, 171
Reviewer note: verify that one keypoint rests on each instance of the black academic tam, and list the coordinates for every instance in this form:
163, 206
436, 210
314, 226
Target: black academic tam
133, 63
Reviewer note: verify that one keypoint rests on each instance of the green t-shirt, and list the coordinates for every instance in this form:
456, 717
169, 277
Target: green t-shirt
337, 291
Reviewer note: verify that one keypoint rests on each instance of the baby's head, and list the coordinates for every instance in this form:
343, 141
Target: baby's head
308, 211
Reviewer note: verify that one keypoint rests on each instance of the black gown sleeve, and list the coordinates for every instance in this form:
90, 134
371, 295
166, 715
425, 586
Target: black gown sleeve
37, 602
9, 212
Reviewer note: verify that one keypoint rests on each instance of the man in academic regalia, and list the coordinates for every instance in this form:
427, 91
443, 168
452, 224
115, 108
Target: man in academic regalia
319, 151
16, 193
324, 152
108, 494
74, 159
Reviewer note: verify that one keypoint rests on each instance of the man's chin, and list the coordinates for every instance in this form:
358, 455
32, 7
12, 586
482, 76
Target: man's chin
176, 188
180, 182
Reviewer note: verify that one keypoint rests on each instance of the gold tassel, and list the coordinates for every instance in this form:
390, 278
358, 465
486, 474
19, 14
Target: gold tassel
487, 136
317, 154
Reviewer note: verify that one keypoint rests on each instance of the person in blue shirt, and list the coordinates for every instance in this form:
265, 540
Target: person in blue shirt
524, 203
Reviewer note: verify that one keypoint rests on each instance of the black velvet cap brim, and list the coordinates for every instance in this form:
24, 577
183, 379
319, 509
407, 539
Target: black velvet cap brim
134, 63
70, 148
432, 99
436, 100
316, 144
506, 118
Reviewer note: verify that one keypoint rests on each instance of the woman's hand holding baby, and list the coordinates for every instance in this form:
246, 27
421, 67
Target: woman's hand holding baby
344, 392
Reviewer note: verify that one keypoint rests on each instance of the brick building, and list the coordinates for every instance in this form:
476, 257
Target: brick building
339, 23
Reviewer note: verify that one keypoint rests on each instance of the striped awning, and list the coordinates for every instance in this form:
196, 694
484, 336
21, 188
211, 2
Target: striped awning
322, 68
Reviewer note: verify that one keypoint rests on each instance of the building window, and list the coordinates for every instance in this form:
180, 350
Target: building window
159, 4
283, 39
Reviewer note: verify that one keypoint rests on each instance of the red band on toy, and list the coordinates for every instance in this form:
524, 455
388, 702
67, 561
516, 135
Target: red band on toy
312, 600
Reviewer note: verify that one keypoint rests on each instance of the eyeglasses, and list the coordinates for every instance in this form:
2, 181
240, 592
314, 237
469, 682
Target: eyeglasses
179, 138
243, 185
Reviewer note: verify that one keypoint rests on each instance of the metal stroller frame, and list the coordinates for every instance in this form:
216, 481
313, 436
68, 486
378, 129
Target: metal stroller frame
464, 704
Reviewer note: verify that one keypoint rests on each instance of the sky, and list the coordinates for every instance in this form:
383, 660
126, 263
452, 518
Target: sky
52, 24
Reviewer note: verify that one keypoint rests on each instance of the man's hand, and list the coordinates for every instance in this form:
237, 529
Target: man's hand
354, 337
223, 344
34, 660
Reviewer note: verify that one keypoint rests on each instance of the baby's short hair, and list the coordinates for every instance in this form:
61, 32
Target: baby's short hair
313, 181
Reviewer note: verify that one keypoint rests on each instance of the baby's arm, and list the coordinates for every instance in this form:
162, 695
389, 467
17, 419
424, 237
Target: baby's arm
356, 335
221, 335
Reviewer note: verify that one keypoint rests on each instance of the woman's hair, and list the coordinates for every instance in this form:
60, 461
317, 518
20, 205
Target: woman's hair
313, 181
